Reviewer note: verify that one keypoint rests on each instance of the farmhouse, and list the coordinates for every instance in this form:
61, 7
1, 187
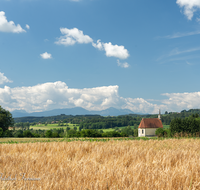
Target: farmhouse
148, 126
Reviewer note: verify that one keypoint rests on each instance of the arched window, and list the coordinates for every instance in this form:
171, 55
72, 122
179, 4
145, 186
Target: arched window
142, 131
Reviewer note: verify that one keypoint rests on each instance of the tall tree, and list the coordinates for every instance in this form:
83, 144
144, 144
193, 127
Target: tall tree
6, 119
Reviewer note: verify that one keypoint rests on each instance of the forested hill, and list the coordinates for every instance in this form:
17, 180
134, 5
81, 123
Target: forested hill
167, 117
62, 117
114, 121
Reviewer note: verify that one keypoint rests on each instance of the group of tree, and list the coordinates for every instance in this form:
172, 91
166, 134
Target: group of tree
125, 132
6, 119
100, 122
52, 133
169, 116
187, 125
68, 132
93, 125
178, 127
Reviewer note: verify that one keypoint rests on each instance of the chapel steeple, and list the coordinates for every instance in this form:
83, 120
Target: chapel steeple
159, 115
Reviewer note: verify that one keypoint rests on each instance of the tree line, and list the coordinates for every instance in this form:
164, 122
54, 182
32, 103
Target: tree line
180, 127
183, 122
124, 132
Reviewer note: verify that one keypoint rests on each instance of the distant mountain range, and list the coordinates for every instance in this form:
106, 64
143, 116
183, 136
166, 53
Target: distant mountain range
73, 111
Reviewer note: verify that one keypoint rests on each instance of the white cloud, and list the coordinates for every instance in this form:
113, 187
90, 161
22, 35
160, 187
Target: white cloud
123, 65
46, 55
115, 51
180, 101
72, 36
139, 105
10, 26
56, 95
27, 26
112, 50
98, 45
3, 79
190, 6
49, 102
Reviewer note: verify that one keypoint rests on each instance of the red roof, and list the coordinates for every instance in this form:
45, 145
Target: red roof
150, 123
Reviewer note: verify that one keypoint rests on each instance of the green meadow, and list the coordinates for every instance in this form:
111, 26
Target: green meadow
51, 126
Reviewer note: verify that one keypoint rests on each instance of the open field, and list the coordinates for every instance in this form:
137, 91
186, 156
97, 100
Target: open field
51, 126
153, 164
166, 126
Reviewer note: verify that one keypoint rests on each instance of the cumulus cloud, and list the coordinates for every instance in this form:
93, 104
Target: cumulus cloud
72, 36
116, 51
190, 6
3, 78
180, 101
58, 95
123, 65
48, 96
9, 26
99, 45
112, 50
139, 105
46, 55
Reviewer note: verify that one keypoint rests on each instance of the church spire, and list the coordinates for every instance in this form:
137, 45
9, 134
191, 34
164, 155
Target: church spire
159, 115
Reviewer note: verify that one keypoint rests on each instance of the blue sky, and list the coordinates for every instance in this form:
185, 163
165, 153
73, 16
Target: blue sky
138, 55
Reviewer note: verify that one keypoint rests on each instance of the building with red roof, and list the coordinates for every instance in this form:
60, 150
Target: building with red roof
148, 126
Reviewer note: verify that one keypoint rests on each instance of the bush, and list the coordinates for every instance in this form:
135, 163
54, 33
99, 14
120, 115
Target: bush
7, 133
160, 132
19, 134
111, 134
90, 133
135, 132
27, 134
48, 134
1, 132
36, 135
72, 133
55, 134
167, 133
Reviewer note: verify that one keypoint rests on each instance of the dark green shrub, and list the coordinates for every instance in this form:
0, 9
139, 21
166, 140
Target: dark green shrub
135, 132
19, 134
36, 135
27, 134
1, 132
73, 133
48, 134
160, 132
55, 134
7, 133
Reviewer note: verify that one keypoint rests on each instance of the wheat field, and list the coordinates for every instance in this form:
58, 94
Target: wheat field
153, 164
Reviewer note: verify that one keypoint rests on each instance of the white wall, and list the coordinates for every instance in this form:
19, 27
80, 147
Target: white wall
140, 134
146, 132
150, 131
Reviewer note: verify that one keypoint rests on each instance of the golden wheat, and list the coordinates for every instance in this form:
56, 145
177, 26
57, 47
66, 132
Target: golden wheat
167, 164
